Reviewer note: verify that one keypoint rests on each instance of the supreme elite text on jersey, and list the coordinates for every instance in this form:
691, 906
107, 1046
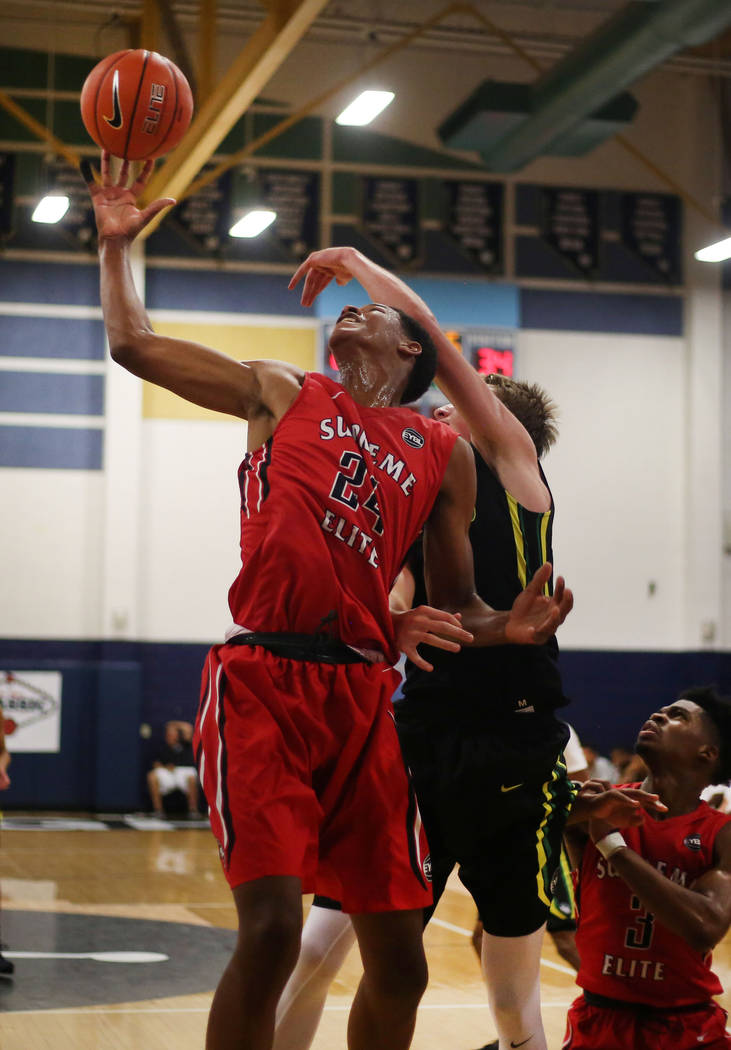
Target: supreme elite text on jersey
329, 506
625, 952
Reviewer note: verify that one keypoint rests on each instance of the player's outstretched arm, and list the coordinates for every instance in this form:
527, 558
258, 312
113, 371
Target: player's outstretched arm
700, 913
449, 569
194, 372
495, 430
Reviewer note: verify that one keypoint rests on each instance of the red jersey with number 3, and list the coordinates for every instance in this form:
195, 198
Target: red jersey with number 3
625, 952
330, 505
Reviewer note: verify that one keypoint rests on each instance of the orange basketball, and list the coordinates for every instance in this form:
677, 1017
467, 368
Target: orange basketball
136, 104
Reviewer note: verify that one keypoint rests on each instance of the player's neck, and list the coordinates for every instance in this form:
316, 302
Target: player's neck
679, 791
368, 383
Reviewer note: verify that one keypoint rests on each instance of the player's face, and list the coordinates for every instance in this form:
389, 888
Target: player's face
676, 732
374, 328
448, 414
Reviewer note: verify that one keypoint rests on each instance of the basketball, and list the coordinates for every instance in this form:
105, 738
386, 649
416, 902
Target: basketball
136, 104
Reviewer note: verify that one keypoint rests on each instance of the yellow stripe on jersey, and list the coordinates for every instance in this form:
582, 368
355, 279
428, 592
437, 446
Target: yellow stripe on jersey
545, 522
548, 807
518, 537
565, 869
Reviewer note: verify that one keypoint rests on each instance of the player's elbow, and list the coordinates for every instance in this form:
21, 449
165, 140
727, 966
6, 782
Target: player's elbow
127, 346
706, 933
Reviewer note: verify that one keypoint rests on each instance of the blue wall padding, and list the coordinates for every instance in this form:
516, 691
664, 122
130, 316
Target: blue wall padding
52, 448
67, 337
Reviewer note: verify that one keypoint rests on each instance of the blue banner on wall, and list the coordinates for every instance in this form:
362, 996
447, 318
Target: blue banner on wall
391, 217
651, 230
474, 221
570, 225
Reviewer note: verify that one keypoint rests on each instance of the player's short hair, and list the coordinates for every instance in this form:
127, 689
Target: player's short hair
425, 364
530, 404
717, 709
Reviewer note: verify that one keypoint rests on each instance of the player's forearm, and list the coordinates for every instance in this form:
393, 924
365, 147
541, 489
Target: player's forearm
488, 626
691, 915
125, 317
385, 287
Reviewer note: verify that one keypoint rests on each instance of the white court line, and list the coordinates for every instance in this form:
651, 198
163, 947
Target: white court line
106, 1011
468, 933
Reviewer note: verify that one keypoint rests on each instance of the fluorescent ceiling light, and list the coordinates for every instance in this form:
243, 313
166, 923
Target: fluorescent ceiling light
715, 252
365, 108
253, 223
51, 208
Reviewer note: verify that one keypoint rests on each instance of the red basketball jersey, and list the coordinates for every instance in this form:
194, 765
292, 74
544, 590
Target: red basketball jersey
625, 952
330, 504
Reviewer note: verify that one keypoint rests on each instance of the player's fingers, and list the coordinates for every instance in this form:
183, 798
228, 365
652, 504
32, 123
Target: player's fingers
106, 168
540, 578
418, 660
559, 589
441, 643
123, 174
87, 174
141, 181
299, 273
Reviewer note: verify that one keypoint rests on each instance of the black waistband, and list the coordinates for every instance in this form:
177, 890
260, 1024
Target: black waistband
640, 1008
314, 648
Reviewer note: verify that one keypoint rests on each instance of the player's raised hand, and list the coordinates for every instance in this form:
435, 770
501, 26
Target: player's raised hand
322, 267
607, 807
115, 204
535, 616
430, 626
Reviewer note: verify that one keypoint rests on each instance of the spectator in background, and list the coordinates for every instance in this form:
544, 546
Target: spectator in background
174, 768
598, 766
7, 969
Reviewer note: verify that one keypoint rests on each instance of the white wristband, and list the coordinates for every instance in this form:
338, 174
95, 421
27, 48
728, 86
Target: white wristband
611, 844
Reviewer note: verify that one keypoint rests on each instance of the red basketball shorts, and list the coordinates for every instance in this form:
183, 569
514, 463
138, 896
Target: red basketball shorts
303, 774
607, 1028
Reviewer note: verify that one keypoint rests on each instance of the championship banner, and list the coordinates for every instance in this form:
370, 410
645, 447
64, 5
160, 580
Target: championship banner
295, 197
205, 217
651, 230
570, 224
391, 217
78, 222
31, 709
474, 220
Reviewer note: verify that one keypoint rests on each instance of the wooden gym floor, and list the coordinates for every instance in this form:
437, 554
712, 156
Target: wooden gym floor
70, 894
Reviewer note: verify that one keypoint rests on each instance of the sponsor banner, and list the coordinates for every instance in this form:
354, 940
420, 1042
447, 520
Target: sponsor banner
391, 217
570, 224
651, 229
474, 220
31, 710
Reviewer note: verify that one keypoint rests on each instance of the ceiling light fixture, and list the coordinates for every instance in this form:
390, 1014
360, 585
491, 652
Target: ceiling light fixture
253, 223
51, 208
715, 252
365, 108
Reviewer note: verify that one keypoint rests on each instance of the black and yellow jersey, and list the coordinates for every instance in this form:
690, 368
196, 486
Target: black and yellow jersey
509, 544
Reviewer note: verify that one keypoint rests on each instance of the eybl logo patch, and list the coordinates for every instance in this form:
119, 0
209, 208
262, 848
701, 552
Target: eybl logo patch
413, 437
693, 842
426, 867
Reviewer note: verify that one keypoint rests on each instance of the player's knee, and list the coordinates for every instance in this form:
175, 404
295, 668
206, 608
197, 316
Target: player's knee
401, 979
271, 933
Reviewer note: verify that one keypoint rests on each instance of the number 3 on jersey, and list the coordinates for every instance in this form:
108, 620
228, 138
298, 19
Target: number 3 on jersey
351, 477
640, 935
